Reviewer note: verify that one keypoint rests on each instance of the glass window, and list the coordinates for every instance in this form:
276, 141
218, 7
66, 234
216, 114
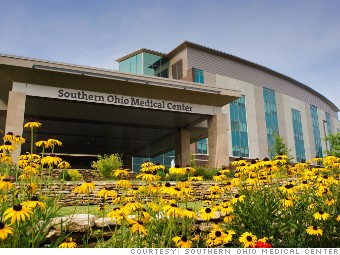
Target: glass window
271, 117
316, 131
239, 133
198, 75
177, 70
202, 146
298, 136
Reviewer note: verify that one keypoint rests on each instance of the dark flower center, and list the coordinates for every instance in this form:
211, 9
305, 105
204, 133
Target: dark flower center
218, 233
304, 182
174, 205
249, 238
2, 225
228, 183
237, 196
86, 181
52, 155
17, 208
139, 222
167, 185
8, 143
177, 166
108, 188
325, 177
177, 189
184, 238
266, 159
189, 209
218, 174
135, 188
289, 186
34, 198
279, 158
315, 228
321, 212
158, 164
9, 133
6, 180
207, 210
269, 165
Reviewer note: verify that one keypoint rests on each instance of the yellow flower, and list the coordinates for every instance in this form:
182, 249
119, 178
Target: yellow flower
314, 230
248, 239
182, 242
195, 178
106, 192
64, 165
85, 188
207, 213
18, 139
288, 189
53, 142
121, 173
32, 124
237, 198
125, 184
153, 206
32, 188
5, 185
177, 170
17, 213
189, 213
148, 176
33, 203
43, 143
9, 137
69, 243
338, 218
321, 215
51, 159
228, 218
173, 210
5, 231
139, 228
7, 147
287, 202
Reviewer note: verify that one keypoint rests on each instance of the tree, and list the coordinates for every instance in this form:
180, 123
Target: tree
280, 148
334, 142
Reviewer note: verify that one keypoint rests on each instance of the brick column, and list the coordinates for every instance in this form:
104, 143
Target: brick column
218, 140
182, 147
15, 116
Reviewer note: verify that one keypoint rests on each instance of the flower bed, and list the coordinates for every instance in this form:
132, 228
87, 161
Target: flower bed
246, 207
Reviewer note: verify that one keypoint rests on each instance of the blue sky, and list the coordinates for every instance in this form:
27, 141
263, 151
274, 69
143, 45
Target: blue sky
300, 39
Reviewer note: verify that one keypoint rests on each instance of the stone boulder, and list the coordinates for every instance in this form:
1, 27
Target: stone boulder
74, 223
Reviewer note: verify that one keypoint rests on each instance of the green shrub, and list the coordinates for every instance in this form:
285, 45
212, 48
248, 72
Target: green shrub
206, 172
64, 175
105, 165
75, 175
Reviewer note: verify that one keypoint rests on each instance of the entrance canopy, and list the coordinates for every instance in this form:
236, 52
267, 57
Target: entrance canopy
97, 111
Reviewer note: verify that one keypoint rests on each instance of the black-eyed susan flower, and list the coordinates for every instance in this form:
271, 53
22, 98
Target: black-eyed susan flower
148, 176
287, 202
9, 137
248, 239
288, 189
138, 227
321, 215
125, 184
207, 213
121, 172
173, 210
85, 188
5, 230
167, 188
32, 124
314, 230
182, 242
34, 202
338, 218
69, 243
195, 178
189, 213
17, 213
153, 206
237, 198
31, 188
228, 218
64, 165
107, 192
19, 140
7, 147
177, 170
53, 142
43, 143
51, 159
330, 201
5, 185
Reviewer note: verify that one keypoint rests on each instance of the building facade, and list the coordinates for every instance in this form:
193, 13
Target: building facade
193, 103
270, 102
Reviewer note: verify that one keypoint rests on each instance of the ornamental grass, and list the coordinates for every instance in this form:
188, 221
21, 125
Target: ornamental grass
259, 204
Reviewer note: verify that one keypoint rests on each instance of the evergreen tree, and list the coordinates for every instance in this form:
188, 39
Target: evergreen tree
280, 148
